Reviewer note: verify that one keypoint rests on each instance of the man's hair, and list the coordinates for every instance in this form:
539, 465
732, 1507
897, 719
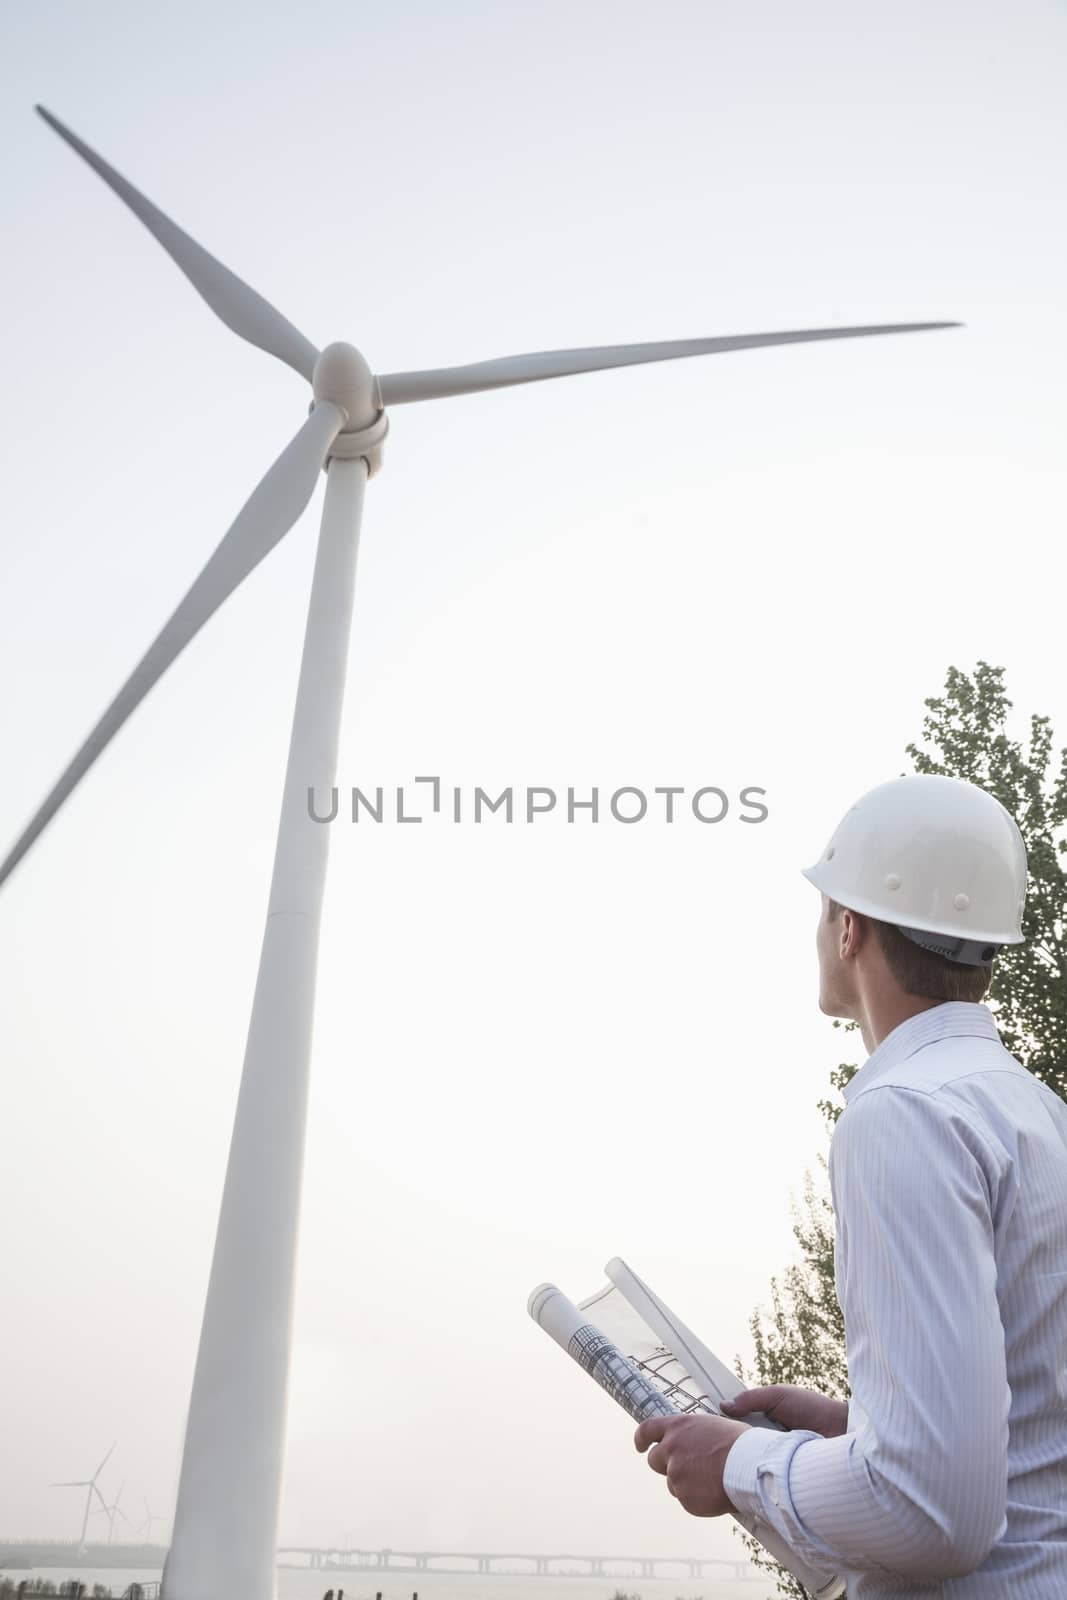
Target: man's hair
923, 972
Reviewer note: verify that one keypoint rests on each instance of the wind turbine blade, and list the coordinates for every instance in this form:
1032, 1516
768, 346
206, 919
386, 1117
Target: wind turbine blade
262, 522
400, 387
239, 307
76, 1483
103, 1463
104, 1507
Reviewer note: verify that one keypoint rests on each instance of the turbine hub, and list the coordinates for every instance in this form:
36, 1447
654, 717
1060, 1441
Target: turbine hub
343, 377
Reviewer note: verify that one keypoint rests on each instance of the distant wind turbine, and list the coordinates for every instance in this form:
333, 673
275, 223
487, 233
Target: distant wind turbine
114, 1510
90, 1486
226, 1516
144, 1529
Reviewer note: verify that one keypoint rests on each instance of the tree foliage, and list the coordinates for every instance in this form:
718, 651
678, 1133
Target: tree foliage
801, 1338
965, 736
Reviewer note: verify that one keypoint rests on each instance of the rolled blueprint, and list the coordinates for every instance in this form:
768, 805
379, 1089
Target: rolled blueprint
595, 1354
623, 1379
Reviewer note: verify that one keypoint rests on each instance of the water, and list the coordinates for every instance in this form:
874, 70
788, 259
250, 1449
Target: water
300, 1583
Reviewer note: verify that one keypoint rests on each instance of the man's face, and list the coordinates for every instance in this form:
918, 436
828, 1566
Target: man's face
835, 987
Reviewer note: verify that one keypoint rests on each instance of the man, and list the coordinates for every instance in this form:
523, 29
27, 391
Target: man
946, 1472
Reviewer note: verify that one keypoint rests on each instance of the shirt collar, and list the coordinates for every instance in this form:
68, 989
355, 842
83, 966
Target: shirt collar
952, 1019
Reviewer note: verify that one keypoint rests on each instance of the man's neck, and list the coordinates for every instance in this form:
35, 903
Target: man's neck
880, 1014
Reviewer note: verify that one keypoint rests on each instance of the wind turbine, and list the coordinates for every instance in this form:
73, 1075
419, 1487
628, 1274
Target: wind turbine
112, 1511
145, 1528
227, 1507
90, 1486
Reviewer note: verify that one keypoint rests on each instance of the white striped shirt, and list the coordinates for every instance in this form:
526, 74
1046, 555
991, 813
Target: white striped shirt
948, 1172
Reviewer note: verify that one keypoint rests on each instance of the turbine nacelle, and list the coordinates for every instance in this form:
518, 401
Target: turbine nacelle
342, 378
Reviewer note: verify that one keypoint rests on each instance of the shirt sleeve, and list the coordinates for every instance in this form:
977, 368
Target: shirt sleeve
919, 1488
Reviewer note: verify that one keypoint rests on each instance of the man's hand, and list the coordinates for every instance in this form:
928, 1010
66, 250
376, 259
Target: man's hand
793, 1408
691, 1454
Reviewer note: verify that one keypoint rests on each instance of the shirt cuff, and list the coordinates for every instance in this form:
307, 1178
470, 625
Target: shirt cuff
756, 1480
740, 1477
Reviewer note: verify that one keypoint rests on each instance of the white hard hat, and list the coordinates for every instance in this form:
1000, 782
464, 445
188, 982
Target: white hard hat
939, 858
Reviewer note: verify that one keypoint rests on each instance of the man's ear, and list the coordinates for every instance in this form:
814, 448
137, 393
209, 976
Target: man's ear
854, 932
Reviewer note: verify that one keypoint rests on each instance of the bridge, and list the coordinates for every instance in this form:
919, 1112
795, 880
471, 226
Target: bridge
480, 1563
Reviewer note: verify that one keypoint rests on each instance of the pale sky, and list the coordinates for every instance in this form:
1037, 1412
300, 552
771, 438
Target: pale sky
537, 1046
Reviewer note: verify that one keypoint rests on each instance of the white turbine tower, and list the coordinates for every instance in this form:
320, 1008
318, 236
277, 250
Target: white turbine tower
90, 1487
226, 1515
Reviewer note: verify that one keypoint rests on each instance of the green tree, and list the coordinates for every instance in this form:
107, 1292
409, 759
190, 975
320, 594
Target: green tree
801, 1338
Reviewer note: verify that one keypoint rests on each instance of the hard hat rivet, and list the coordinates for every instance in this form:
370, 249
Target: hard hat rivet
892, 880
961, 901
